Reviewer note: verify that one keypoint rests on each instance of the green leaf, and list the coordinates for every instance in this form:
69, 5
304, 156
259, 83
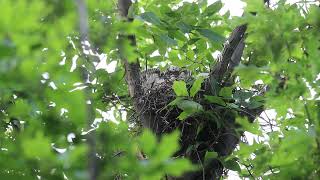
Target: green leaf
185, 28
226, 92
169, 41
232, 165
148, 49
128, 51
254, 6
7, 49
78, 154
168, 145
292, 148
250, 127
177, 167
212, 36
193, 40
184, 115
148, 142
175, 101
213, 8
180, 36
233, 106
180, 88
190, 106
196, 86
37, 147
215, 100
248, 74
313, 16
151, 18
210, 155
243, 95
253, 104
21, 109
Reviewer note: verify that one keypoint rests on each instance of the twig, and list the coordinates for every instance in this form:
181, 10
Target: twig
203, 170
249, 171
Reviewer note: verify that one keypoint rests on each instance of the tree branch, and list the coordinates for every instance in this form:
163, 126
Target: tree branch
231, 55
132, 68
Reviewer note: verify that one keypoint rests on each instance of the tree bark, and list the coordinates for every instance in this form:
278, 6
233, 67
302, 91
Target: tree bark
230, 57
132, 68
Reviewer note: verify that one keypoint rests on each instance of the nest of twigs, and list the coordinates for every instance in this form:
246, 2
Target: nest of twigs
214, 129
160, 116
199, 133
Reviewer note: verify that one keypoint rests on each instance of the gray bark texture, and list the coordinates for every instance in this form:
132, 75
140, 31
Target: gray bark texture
132, 68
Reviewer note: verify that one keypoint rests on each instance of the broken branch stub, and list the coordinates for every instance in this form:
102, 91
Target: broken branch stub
230, 56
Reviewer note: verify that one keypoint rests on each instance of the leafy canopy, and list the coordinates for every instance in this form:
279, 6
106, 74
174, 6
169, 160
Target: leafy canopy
43, 104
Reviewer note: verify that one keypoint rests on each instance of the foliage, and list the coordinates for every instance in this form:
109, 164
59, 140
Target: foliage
283, 58
43, 102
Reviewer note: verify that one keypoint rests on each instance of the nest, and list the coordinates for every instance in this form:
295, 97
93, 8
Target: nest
212, 130
199, 133
157, 94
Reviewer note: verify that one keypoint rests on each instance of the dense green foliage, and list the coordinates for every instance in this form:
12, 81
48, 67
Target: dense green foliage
43, 121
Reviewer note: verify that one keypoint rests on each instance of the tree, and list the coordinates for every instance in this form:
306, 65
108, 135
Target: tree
65, 115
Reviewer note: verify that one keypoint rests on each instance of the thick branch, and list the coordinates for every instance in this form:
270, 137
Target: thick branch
124, 6
132, 68
231, 55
